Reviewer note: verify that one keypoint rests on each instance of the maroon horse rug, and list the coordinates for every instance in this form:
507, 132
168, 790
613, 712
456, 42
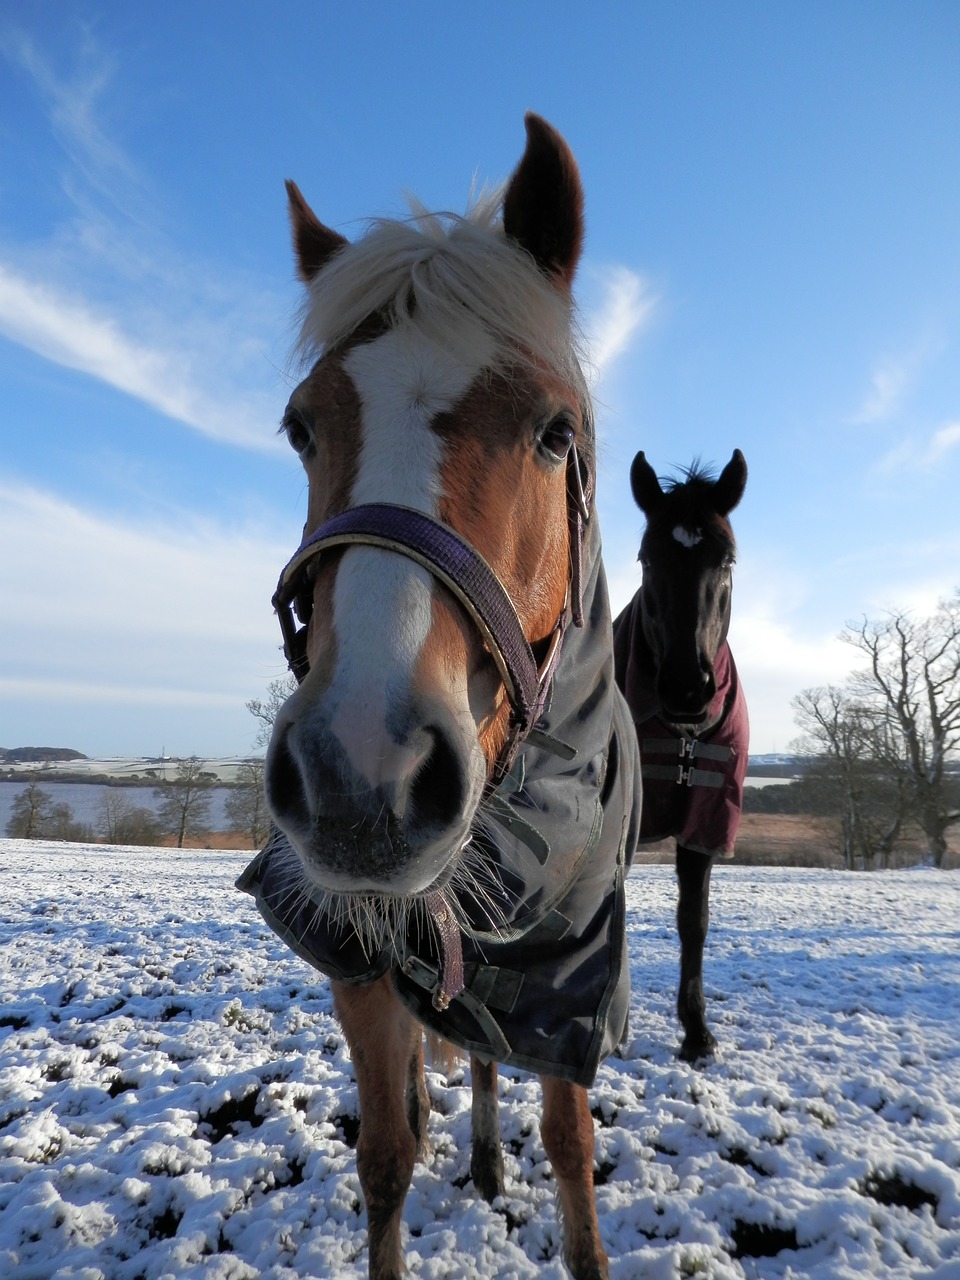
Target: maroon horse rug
692, 782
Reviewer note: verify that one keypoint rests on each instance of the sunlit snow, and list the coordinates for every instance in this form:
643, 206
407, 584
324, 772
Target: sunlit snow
176, 1099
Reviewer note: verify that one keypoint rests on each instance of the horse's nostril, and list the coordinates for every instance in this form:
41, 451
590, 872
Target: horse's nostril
437, 793
284, 783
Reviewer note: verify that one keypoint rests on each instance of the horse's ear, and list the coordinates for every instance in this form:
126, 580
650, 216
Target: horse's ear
313, 243
647, 493
730, 484
543, 204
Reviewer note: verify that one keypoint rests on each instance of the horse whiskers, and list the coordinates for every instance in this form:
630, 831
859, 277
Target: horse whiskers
476, 879
297, 890
378, 920
382, 921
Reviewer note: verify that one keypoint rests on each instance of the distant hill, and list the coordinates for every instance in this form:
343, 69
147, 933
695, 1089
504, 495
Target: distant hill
775, 765
20, 755
761, 766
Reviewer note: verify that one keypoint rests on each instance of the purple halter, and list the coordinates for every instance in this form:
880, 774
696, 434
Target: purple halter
462, 569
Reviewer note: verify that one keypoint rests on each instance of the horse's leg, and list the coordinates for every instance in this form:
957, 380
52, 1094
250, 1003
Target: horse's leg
693, 921
486, 1151
383, 1040
567, 1131
418, 1099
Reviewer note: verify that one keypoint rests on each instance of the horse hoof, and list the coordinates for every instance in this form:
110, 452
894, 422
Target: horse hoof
696, 1049
593, 1270
486, 1170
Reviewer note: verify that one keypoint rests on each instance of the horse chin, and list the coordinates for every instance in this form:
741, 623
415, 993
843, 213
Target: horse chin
379, 915
363, 861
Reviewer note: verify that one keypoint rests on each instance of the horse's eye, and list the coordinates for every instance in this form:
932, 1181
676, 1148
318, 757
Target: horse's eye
297, 432
556, 439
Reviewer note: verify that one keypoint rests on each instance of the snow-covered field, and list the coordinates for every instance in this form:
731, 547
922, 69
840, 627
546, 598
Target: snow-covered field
176, 1099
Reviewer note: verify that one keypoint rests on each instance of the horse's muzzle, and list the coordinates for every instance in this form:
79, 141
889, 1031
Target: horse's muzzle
686, 701
396, 827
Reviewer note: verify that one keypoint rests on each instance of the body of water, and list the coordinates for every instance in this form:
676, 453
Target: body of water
86, 801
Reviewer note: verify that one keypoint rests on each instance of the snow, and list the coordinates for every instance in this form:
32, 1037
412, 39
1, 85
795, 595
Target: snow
176, 1099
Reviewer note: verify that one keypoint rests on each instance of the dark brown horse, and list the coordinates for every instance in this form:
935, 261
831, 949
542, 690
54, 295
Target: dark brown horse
678, 675
455, 782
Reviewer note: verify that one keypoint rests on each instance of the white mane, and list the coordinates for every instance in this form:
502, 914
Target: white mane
445, 274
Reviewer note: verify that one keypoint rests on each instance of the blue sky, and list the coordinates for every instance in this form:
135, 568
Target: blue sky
772, 263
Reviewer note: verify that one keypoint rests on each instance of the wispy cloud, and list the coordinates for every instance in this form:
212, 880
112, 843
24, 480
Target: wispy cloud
114, 694
920, 456
780, 650
73, 101
944, 441
626, 307
892, 380
179, 603
123, 635
108, 295
70, 332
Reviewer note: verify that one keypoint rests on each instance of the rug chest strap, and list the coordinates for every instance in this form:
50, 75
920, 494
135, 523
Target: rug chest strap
685, 748
681, 776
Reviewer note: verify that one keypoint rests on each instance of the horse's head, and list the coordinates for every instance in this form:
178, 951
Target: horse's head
687, 554
443, 379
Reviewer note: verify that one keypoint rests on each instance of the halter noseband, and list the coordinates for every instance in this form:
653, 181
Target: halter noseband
463, 570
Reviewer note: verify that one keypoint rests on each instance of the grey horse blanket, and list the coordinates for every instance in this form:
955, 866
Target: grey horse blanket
547, 988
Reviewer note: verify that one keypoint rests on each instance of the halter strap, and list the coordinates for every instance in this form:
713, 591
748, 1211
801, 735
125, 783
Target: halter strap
446, 555
464, 571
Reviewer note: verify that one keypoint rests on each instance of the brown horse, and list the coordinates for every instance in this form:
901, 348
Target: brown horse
455, 782
678, 675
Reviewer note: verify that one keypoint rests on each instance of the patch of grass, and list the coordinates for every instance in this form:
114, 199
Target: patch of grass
696, 1265
174, 1011
348, 1126
895, 1190
164, 1226
742, 1159
223, 1120
752, 1240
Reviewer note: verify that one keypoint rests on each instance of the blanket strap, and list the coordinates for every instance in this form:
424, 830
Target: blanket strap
684, 748
428, 977
450, 979
683, 777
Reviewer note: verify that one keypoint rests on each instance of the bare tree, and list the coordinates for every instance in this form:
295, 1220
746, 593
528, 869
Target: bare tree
246, 805
185, 802
62, 825
35, 816
31, 809
266, 709
857, 775
124, 823
912, 678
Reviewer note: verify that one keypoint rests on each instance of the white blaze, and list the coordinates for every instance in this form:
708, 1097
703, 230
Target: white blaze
381, 599
688, 537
